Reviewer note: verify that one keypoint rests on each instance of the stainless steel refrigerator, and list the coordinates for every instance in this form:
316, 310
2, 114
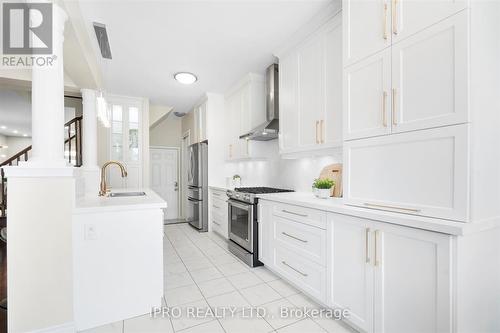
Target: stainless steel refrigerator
198, 186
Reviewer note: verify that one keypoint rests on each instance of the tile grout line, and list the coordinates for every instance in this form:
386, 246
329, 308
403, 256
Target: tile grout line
199, 289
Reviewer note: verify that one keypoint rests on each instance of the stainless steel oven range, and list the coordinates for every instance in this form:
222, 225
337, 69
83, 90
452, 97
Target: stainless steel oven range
242, 223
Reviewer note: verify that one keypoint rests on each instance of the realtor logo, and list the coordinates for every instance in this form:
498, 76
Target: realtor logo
27, 28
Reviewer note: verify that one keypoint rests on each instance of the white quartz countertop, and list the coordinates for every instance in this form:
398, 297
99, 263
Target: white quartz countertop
151, 200
336, 205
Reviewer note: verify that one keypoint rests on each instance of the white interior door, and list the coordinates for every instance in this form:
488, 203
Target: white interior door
165, 178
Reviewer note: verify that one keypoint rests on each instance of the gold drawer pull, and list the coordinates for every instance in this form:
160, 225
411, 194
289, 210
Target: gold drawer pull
288, 235
394, 17
293, 213
394, 120
284, 263
384, 106
367, 234
413, 210
317, 124
385, 21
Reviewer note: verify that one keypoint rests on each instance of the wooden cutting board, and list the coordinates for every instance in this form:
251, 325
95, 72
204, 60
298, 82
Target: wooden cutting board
333, 172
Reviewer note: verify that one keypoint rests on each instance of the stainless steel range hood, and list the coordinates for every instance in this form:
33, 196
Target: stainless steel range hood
270, 129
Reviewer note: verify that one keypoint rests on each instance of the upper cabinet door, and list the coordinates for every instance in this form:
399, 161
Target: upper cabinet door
288, 102
367, 95
310, 92
331, 131
367, 28
410, 16
413, 280
420, 172
430, 76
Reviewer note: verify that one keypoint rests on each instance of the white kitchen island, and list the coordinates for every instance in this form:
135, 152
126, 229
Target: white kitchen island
117, 257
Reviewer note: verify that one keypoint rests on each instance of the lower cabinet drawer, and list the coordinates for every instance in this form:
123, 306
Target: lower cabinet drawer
219, 224
308, 276
304, 239
314, 217
219, 206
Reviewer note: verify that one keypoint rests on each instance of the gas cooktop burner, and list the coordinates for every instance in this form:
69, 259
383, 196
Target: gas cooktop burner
260, 190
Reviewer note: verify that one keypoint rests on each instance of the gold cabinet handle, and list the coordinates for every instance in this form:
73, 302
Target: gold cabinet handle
385, 21
377, 262
367, 234
317, 124
394, 17
321, 131
384, 106
295, 269
293, 237
394, 120
412, 210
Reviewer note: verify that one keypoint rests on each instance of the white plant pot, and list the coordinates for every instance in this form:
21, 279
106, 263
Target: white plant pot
323, 193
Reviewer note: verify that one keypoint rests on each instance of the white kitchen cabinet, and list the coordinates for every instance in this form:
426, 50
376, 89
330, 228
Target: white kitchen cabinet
423, 173
332, 115
244, 109
218, 212
418, 83
410, 16
371, 26
367, 28
352, 280
391, 278
288, 103
265, 232
311, 91
367, 96
200, 113
412, 280
430, 76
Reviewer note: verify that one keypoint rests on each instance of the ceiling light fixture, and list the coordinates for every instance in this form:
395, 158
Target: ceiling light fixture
25, 135
185, 77
3, 147
15, 131
3, 127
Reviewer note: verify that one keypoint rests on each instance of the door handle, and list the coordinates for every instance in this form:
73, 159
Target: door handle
317, 124
385, 21
394, 17
377, 262
321, 130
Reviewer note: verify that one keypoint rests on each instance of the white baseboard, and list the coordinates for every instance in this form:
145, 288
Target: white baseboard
64, 328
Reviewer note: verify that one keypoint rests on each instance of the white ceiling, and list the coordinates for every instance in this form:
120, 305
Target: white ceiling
15, 112
219, 41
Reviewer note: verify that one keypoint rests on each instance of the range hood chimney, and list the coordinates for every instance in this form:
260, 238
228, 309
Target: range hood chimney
270, 129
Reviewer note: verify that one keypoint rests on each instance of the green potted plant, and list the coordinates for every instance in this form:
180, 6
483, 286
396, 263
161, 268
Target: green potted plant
323, 187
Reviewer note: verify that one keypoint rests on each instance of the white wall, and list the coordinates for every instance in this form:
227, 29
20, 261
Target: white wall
15, 144
167, 132
297, 174
40, 263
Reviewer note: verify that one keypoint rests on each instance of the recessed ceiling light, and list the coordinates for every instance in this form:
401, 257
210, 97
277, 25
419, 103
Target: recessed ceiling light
3, 156
3, 127
15, 131
185, 77
25, 135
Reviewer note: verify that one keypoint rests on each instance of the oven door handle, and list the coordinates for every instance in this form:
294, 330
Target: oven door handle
239, 205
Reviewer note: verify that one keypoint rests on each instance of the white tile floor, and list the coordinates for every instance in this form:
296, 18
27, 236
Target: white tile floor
200, 272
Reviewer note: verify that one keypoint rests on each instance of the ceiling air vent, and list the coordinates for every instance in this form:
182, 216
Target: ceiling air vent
102, 40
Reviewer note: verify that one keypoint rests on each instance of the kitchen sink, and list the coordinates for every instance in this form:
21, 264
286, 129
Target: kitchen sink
127, 194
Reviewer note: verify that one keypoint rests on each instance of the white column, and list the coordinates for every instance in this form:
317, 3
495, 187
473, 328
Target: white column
90, 169
47, 99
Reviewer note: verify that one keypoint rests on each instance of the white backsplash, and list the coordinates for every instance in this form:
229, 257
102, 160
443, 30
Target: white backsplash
297, 174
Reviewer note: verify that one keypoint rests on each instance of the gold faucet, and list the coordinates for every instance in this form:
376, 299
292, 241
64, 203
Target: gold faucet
103, 190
